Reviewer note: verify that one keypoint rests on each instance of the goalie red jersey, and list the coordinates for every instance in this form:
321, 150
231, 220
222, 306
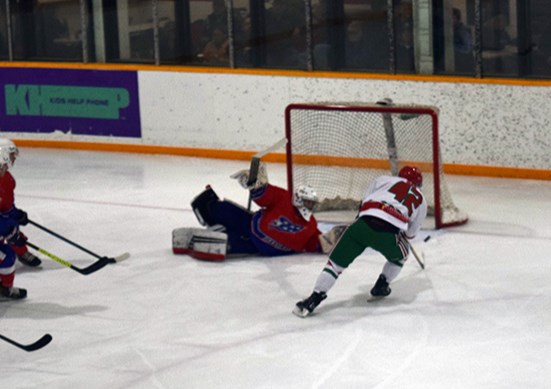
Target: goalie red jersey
279, 228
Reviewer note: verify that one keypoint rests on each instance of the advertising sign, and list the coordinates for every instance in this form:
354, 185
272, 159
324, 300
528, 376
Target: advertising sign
79, 102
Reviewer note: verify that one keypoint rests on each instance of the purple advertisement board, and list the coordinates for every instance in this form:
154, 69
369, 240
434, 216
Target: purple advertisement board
80, 102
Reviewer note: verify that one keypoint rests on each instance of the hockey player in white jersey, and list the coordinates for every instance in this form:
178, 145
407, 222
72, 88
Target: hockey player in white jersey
392, 211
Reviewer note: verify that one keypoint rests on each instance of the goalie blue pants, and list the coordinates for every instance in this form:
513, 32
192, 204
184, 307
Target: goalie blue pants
238, 223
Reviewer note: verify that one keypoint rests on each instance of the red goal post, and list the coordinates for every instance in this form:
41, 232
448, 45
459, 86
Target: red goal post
338, 148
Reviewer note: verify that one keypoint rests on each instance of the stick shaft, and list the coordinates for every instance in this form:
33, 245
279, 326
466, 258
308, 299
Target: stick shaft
417, 257
63, 238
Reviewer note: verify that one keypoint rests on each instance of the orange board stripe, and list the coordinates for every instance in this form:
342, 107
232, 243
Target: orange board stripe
458, 169
279, 73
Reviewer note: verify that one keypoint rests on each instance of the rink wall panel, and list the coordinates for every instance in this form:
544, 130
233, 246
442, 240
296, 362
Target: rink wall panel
488, 123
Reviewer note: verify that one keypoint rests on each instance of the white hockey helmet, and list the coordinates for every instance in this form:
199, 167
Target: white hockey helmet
8, 152
304, 199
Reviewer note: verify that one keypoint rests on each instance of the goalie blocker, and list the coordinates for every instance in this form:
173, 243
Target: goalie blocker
200, 243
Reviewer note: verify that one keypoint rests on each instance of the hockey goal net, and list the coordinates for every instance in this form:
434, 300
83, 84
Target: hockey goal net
338, 148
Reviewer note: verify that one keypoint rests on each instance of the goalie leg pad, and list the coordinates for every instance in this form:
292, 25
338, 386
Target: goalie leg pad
200, 243
202, 205
181, 239
209, 245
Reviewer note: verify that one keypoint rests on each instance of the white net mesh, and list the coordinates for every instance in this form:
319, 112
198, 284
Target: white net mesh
339, 148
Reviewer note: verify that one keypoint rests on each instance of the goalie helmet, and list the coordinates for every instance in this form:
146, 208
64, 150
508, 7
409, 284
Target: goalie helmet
412, 174
8, 152
304, 199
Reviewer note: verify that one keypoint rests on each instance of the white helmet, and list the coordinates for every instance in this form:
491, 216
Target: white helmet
8, 152
302, 193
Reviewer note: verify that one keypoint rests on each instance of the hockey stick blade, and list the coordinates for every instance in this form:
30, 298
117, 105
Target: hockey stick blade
280, 143
100, 263
43, 341
120, 258
255, 160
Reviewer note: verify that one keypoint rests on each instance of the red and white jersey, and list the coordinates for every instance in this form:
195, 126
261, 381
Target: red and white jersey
397, 201
280, 226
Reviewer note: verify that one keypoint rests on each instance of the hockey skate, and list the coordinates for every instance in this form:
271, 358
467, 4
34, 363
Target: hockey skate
307, 306
29, 259
12, 293
381, 288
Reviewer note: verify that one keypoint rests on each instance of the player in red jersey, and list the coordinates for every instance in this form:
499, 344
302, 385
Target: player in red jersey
283, 225
10, 219
7, 204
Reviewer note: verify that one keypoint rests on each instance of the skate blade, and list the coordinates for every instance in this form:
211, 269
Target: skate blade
300, 312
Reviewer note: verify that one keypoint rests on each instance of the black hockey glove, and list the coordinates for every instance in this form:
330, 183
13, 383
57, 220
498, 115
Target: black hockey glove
21, 217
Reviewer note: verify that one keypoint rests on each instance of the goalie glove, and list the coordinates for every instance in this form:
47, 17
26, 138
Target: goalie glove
331, 237
242, 177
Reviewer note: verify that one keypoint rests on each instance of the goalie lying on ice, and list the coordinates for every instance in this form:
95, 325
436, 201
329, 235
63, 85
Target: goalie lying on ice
283, 225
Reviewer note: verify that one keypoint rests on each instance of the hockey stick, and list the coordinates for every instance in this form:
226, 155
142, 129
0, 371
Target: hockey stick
390, 137
102, 262
255, 164
417, 257
43, 341
120, 258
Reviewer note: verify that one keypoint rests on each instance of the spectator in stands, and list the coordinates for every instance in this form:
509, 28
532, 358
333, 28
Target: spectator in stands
494, 33
199, 37
284, 26
321, 22
462, 39
499, 51
463, 44
405, 54
218, 18
375, 36
52, 27
216, 51
356, 50
243, 43
216, 27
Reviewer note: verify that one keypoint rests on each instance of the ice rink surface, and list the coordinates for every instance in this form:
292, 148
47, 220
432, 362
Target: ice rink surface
479, 316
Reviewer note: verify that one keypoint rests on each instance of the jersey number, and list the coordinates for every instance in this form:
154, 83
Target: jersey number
408, 195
